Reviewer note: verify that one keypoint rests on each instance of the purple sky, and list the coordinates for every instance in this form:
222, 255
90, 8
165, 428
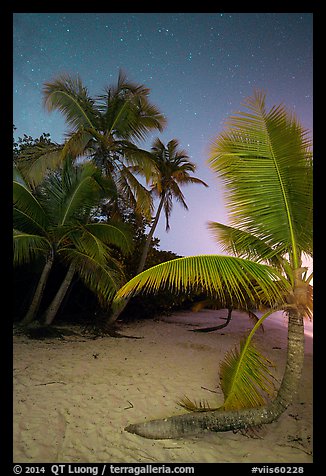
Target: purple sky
199, 67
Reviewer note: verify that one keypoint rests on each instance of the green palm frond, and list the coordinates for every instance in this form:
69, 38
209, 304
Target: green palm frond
126, 112
87, 243
133, 117
27, 223
264, 159
18, 176
40, 159
246, 382
137, 195
27, 247
147, 118
73, 193
245, 245
76, 143
27, 209
245, 378
140, 161
112, 234
101, 278
68, 95
223, 277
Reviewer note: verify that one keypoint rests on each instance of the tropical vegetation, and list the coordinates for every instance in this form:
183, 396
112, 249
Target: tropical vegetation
72, 200
104, 129
54, 222
104, 132
264, 159
172, 169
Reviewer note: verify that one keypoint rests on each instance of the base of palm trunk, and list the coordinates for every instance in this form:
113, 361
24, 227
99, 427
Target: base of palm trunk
197, 422
220, 420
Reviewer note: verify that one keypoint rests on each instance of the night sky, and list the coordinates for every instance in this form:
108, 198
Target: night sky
199, 68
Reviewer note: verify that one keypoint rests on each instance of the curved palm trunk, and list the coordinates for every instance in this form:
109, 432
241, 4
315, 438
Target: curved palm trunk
35, 304
219, 420
215, 328
53, 308
115, 315
150, 236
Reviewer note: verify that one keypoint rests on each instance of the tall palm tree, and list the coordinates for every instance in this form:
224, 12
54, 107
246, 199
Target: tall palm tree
104, 129
172, 170
54, 223
264, 159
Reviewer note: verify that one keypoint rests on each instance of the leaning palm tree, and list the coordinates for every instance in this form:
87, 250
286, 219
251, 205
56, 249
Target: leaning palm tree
103, 129
54, 223
264, 159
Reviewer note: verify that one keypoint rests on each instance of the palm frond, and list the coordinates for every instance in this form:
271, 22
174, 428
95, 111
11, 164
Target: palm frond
40, 159
76, 143
245, 245
18, 175
112, 234
73, 193
137, 195
133, 117
245, 378
139, 160
99, 277
126, 112
195, 406
68, 95
28, 246
228, 279
264, 159
28, 210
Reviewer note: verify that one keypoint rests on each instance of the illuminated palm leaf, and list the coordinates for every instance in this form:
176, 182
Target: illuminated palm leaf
225, 278
264, 160
245, 378
245, 245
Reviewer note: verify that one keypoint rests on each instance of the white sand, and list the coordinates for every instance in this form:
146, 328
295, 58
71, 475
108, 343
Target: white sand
74, 397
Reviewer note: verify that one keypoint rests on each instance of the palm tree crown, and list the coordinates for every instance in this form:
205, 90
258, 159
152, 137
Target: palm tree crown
172, 170
102, 129
264, 159
54, 222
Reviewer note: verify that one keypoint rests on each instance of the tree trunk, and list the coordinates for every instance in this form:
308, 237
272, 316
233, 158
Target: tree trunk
150, 236
53, 308
219, 420
215, 328
115, 314
35, 304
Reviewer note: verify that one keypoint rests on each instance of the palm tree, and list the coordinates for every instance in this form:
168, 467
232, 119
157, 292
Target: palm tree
264, 159
172, 169
54, 222
103, 129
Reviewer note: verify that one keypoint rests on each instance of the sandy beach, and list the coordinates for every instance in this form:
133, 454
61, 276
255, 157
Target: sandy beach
73, 397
